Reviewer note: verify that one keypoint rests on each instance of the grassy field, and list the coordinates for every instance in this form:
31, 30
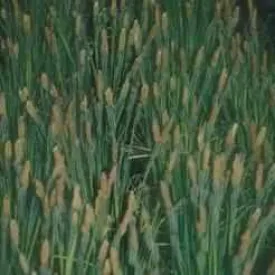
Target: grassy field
136, 139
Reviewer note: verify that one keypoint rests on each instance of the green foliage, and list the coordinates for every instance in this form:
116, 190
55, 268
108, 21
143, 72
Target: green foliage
135, 139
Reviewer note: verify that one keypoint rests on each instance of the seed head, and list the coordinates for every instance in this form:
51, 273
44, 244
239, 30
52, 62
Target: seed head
45, 254
133, 236
77, 200
165, 193
156, 132
137, 33
21, 127
78, 25
33, 111
8, 150
177, 136
219, 170
192, 169
223, 80
122, 40
45, 82
199, 58
6, 210
14, 232
24, 94
103, 252
109, 96
24, 263
40, 190
259, 183
107, 270
3, 111
25, 175
104, 43
216, 56
115, 263
261, 137
164, 23
144, 93
27, 23
237, 170
89, 218
200, 138
231, 136
206, 157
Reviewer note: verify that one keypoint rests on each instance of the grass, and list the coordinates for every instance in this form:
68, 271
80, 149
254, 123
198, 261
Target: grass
142, 144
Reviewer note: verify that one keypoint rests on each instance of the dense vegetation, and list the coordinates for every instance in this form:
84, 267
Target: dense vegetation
136, 138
